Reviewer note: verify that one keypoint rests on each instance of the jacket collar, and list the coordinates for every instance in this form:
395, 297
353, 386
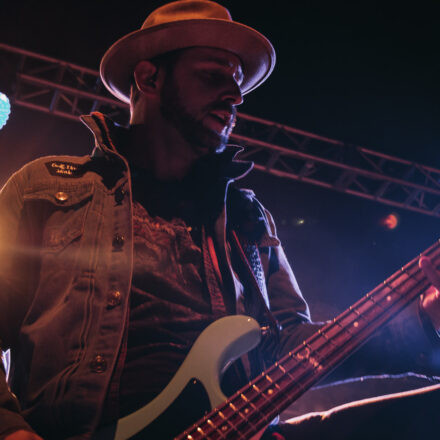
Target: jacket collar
108, 135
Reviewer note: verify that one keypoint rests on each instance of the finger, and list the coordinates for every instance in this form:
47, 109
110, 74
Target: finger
430, 271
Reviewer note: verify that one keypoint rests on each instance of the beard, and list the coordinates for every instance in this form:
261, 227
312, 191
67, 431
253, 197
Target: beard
202, 138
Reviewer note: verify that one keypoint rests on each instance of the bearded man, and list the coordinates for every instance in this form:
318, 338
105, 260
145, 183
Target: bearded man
114, 263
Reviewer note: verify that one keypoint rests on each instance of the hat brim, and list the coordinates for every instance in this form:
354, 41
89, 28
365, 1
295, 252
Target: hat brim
254, 50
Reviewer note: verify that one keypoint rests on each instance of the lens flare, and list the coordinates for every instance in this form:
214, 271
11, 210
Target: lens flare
5, 109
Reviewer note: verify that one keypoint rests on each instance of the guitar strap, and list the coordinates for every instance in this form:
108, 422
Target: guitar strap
213, 275
246, 226
252, 269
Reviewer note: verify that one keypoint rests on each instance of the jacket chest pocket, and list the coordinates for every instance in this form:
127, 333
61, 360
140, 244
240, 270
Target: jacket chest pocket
62, 214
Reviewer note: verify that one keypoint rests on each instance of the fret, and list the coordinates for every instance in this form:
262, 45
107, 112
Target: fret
314, 346
268, 389
392, 296
240, 408
288, 378
265, 392
235, 417
299, 362
373, 300
225, 428
283, 370
215, 420
248, 402
327, 339
355, 310
332, 330
397, 279
417, 274
253, 402
258, 402
364, 307
237, 411
308, 354
244, 417
215, 427
254, 417
258, 397
244, 397
343, 328
315, 343
349, 321
268, 378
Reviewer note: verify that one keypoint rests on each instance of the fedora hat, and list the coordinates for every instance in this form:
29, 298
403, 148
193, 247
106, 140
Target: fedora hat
182, 24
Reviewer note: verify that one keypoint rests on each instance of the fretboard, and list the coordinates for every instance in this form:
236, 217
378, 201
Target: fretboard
252, 407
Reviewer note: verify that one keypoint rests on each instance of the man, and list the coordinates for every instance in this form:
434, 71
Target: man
115, 262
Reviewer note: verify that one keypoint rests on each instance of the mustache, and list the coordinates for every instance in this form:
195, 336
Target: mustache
223, 106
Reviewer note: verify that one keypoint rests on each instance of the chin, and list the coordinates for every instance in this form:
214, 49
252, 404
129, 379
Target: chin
211, 142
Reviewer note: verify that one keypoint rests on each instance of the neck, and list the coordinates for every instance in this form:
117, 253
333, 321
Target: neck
162, 152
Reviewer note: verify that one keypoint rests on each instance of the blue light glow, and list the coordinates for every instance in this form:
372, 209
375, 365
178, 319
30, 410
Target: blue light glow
5, 109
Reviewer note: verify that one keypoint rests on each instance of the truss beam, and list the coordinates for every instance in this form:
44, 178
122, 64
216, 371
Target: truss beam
68, 90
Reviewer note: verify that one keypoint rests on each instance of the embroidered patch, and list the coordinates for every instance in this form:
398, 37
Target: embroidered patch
65, 169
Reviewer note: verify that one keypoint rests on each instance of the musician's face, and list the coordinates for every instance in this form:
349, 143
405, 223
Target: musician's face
200, 95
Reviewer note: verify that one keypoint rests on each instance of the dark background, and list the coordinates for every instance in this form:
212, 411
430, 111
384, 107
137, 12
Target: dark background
364, 72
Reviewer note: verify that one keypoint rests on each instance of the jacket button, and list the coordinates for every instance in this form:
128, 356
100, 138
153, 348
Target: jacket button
114, 298
99, 364
119, 195
61, 196
118, 241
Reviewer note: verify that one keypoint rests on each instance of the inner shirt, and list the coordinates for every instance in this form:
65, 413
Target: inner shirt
169, 302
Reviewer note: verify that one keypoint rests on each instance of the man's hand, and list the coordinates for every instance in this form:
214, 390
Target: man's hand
430, 301
23, 435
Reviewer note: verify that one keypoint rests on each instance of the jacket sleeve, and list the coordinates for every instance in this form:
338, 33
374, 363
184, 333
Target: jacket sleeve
286, 301
12, 297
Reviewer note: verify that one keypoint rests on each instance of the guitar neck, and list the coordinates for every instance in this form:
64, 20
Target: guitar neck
251, 408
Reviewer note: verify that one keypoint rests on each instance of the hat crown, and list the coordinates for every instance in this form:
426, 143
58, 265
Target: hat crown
182, 24
187, 10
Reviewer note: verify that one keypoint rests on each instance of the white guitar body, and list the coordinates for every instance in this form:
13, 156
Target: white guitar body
178, 412
218, 345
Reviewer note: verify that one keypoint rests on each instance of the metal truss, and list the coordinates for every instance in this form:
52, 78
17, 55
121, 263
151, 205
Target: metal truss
68, 90
57, 87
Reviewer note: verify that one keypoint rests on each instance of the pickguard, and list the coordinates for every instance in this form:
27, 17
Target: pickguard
189, 406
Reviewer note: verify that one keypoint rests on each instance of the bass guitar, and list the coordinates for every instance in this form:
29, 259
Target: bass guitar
193, 407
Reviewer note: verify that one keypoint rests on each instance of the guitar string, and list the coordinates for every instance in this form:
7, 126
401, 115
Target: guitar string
311, 378
289, 358
280, 399
275, 410
409, 293
244, 418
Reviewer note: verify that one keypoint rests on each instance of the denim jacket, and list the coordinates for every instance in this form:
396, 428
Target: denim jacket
66, 243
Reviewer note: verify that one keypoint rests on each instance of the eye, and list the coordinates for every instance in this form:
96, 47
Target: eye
212, 76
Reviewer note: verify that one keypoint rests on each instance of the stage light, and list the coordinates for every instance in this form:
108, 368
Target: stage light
298, 221
5, 109
391, 221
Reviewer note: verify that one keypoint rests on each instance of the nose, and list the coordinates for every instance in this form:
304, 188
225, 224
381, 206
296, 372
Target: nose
233, 94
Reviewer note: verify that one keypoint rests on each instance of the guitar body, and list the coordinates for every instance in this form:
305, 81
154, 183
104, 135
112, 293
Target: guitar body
193, 407
195, 388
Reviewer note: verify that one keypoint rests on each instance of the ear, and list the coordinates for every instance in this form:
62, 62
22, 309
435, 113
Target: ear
145, 76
